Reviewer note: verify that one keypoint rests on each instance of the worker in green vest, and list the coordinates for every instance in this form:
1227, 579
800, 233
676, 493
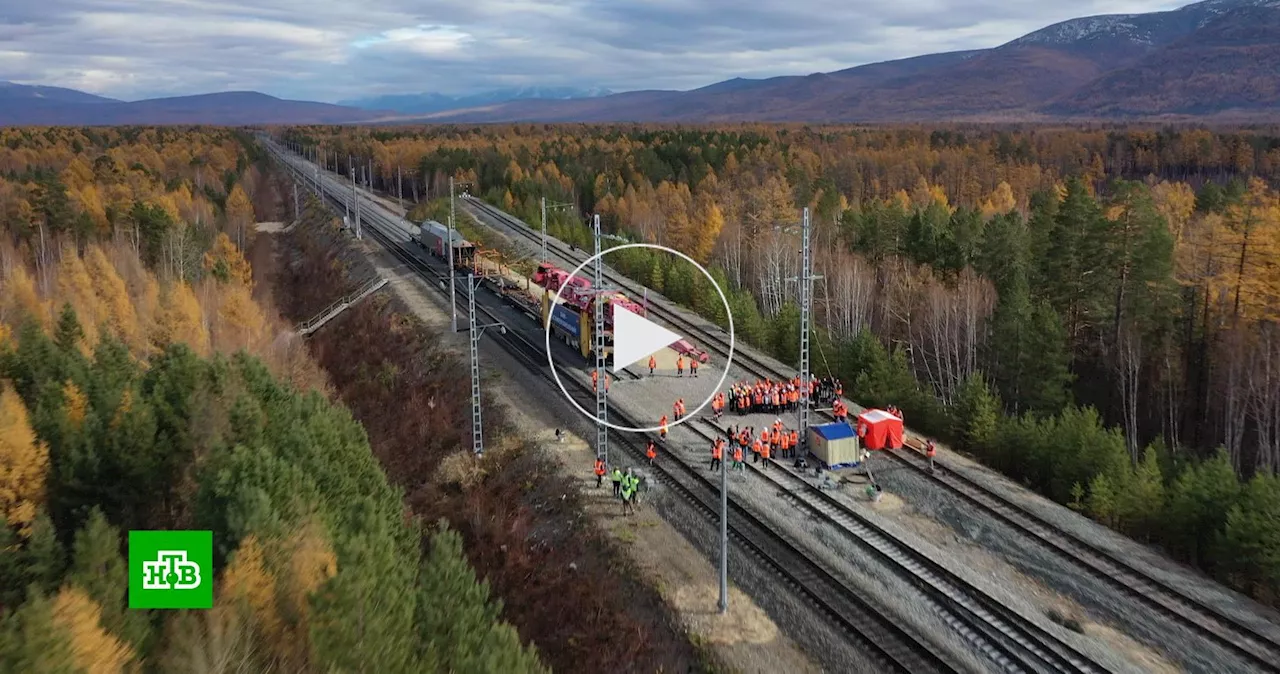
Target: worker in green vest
629, 482
617, 482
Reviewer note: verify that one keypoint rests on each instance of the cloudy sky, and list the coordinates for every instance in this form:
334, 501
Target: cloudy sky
330, 50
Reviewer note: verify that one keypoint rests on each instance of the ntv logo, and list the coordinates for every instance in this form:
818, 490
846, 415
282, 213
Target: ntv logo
171, 571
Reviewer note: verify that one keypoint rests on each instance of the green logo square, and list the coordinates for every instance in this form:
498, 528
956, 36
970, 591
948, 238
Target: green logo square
170, 569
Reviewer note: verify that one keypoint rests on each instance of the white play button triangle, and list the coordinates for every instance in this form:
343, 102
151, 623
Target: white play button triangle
635, 337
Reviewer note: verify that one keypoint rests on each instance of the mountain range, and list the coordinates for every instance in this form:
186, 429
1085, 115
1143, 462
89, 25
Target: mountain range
1213, 59
432, 102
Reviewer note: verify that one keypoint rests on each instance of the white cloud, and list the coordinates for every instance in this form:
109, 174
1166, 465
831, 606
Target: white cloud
335, 49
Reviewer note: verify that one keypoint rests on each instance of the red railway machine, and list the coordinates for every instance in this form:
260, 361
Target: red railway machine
879, 429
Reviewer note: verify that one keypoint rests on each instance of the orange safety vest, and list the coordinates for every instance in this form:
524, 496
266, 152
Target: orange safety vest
786, 441
653, 363
795, 438
717, 451
755, 447
737, 454
930, 450
764, 450
663, 424
651, 452
680, 363
777, 437
599, 467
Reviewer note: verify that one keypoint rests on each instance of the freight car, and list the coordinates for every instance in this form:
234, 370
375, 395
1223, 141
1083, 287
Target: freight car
432, 236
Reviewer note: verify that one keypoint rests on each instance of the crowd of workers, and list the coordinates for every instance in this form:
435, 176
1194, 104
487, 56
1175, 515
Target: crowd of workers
772, 397
773, 442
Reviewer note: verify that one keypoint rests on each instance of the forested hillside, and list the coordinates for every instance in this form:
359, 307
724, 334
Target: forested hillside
1091, 311
143, 387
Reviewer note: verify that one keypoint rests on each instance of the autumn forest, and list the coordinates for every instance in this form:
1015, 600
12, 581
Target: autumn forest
1093, 312
147, 382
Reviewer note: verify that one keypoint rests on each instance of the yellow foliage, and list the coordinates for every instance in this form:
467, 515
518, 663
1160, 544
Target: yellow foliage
77, 174
5, 335
901, 199
247, 579
149, 306
19, 296
239, 209
708, 220
95, 650
113, 297
75, 287
125, 406
226, 259
1001, 201
1176, 202
240, 319
274, 579
24, 461
180, 320
89, 201
76, 403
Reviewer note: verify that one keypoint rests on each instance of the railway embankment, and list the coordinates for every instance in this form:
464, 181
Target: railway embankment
563, 582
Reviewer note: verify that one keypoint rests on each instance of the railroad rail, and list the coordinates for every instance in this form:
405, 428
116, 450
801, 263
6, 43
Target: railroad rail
1234, 635
1003, 635
888, 644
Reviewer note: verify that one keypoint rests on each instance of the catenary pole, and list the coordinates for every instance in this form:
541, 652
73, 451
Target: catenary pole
602, 383
806, 311
453, 305
477, 428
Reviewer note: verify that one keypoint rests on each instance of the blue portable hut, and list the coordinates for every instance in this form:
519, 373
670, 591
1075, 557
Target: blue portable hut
835, 444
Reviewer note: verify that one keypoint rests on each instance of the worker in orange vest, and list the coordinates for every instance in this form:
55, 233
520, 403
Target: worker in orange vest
795, 442
678, 409
599, 472
662, 428
680, 365
693, 366
764, 454
651, 451
717, 452
785, 445
595, 381
653, 363
930, 450
737, 458
755, 450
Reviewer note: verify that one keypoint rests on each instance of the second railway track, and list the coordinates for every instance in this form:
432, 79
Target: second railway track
1236, 636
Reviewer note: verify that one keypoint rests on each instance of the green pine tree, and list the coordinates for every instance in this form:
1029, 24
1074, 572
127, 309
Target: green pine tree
459, 627
31, 643
43, 559
98, 567
1251, 539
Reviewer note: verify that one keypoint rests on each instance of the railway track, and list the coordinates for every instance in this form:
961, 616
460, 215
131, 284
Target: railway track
889, 645
1236, 636
1004, 636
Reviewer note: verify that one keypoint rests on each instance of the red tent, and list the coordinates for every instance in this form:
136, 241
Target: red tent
879, 429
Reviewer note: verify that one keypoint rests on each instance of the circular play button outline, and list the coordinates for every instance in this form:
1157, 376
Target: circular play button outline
727, 363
